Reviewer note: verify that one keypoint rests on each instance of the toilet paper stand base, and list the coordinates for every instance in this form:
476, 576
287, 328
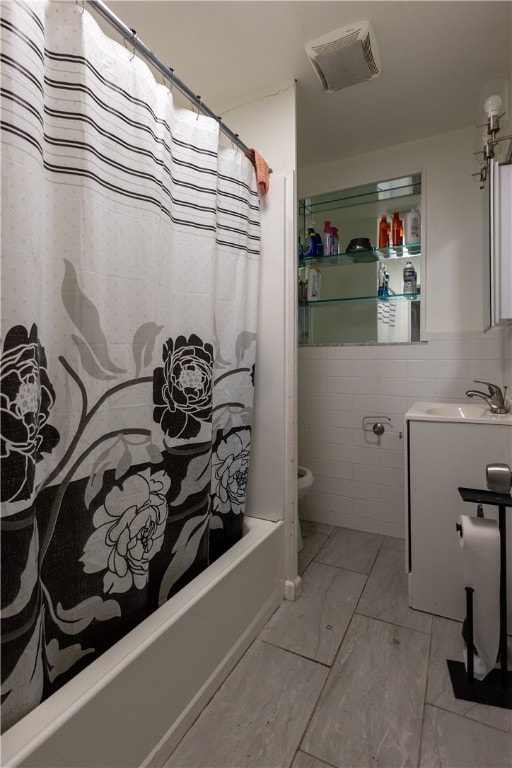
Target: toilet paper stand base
496, 688
487, 691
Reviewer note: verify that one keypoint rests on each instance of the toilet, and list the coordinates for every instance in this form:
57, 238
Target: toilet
304, 483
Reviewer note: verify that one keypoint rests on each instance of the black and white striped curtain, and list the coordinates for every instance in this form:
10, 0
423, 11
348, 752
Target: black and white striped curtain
130, 250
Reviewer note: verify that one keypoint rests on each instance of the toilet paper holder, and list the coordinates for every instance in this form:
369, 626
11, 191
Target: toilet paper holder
378, 425
498, 478
496, 688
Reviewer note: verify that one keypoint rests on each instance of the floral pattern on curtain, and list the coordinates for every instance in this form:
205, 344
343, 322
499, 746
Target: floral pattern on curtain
130, 254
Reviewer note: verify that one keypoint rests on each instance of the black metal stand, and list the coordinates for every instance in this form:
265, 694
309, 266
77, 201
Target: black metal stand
496, 688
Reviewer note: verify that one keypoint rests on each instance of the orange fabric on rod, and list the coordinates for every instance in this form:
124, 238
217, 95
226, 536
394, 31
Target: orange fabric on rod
262, 172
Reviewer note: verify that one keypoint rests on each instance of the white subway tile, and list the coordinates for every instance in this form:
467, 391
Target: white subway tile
336, 435
307, 450
312, 384
392, 369
421, 388
481, 349
396, 352
452, 388
321, 482
392, 529
328, 401
341, 520
335, 469
329, 469
354, 490
312, 353
378, 475
325, 501
489, 370
315, 416
366, 455
389, 441
392, 386
366, 368
352, 453
345, 419
358, 524
391, 494
338, 386
425, 351
438, 369
382, 405
340, 368
393, 459
349, 352
365, 439
447, 350
352, 385
378, 511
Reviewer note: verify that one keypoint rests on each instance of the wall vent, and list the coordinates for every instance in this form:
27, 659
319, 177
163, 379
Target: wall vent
345, 56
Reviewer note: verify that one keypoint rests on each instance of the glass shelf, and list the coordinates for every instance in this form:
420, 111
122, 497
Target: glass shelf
382, 193
391, 297
410, 251
348, 310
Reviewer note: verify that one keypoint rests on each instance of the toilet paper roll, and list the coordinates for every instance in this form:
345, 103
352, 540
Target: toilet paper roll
480, 540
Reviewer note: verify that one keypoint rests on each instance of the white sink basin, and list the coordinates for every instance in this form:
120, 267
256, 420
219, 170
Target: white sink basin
452, 410
461, 412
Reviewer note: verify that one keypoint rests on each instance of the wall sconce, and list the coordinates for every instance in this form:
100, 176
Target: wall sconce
495, 111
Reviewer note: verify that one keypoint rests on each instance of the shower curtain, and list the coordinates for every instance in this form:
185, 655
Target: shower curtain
130, 250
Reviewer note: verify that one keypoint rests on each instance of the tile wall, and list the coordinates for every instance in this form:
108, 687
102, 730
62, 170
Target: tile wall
359, 477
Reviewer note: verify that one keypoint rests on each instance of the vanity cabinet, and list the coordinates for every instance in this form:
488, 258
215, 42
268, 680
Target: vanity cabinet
441, 457
348, 307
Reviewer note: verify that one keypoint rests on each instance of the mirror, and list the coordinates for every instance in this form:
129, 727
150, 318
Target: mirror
359, 264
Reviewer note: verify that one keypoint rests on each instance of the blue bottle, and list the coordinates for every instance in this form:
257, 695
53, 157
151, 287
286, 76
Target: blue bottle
316, 246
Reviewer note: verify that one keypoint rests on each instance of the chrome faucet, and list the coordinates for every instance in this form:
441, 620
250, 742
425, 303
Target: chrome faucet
495, 397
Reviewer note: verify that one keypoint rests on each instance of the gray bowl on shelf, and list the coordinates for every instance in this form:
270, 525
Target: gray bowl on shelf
361, 250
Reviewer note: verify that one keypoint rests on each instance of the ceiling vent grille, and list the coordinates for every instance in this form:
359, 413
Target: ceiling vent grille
345, 56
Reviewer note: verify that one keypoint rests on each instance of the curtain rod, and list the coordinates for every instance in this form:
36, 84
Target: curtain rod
167, 72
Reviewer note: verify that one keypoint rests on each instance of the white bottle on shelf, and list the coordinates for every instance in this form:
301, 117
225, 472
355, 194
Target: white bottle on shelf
412, 227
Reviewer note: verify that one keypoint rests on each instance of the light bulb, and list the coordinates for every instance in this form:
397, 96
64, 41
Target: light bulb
492, 105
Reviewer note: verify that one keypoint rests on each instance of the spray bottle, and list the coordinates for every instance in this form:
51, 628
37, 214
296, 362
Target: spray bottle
328, 250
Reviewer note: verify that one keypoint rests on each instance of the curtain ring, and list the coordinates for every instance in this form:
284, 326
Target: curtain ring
133, 38
82, 6
199, 102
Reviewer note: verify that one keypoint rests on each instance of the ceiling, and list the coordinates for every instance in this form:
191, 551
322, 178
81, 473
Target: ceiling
435, 58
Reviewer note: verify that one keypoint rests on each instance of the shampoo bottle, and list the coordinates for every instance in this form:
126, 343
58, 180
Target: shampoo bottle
397, 230
383, 233
413, 230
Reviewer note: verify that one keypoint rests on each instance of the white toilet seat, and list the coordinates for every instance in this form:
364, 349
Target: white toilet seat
304, 480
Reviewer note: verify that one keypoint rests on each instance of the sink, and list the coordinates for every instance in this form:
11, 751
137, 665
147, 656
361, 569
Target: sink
451, 410
472, 413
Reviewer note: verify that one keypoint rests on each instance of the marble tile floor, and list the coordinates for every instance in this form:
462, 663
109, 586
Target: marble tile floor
348, 676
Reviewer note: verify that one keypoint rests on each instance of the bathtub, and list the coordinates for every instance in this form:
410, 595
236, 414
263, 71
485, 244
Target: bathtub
132, 705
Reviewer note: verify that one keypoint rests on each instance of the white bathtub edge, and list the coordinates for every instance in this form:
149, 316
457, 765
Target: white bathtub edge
169, 742
37, 728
